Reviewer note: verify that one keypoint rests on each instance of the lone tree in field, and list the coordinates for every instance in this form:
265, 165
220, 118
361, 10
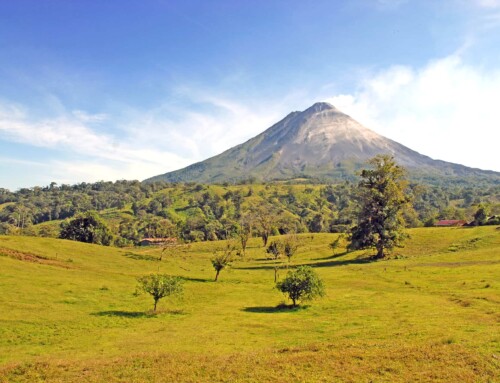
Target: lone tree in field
291, 244
382, 200
244, 232
301, 284
160, 285
265, 216
275, 249
337, 243
222, 258
87, 227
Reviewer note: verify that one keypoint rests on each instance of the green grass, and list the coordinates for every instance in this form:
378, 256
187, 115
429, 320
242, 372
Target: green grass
69, 313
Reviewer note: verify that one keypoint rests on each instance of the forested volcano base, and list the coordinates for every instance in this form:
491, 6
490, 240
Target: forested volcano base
70, 313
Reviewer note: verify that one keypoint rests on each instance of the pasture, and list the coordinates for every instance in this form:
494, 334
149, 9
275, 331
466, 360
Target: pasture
70, 312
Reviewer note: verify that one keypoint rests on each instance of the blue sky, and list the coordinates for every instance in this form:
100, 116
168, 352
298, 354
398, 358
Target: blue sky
104, 90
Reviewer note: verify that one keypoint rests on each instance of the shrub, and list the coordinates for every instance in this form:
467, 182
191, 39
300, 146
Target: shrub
301, 284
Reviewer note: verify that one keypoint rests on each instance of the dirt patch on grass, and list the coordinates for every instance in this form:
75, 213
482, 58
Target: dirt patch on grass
33, 258
385, 362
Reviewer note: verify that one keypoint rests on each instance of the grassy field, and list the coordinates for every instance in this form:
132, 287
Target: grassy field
69, 312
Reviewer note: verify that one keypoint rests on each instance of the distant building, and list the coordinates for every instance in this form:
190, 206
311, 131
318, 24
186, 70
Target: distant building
450, 222
158, 241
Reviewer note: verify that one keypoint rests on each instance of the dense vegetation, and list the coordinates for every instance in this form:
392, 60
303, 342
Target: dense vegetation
195, 212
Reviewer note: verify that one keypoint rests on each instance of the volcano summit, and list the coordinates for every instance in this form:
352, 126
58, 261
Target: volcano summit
319, 143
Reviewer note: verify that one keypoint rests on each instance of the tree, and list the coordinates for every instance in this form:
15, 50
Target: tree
244, 232
222, 258
87, 227
290, 246
481, 215
160, 285
382, 199
301, 284
275, 248
336, 243
264, 215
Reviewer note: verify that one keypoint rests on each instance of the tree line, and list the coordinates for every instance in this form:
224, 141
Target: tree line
132, 210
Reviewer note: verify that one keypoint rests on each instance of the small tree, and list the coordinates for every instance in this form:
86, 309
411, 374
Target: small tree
222, 258
275, 249
160, 285
301, 284
290, 246
244, 233
336, 243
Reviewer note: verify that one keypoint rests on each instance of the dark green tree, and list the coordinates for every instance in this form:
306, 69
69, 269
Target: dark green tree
160, 285
481, 215
301, 284
382, 199
87, 227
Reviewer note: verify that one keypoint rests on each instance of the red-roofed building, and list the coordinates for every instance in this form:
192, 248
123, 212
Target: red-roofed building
450, 222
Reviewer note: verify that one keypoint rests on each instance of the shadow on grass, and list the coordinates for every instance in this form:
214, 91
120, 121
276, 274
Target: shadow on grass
138, 314
335, 256
331, 263
123, 314
189, 279
344, 262
140, 257
274, 309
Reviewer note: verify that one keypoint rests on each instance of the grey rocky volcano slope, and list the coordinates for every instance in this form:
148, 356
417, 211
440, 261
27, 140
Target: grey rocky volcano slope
320, 142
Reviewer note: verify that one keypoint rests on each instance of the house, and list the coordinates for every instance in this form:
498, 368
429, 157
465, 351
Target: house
158, 241
450, 222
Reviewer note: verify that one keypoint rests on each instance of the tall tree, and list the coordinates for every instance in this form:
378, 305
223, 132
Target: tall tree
382, 200
265, 215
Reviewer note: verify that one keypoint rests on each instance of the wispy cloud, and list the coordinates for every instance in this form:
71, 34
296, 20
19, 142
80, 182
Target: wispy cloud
215, 123
91, 153
89, 147
447, 109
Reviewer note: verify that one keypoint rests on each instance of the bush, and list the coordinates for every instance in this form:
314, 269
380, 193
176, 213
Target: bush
301, 284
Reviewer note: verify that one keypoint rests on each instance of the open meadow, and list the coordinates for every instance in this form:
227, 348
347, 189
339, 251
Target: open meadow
70, 312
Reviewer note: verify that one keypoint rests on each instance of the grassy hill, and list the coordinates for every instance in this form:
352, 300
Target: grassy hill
70, 314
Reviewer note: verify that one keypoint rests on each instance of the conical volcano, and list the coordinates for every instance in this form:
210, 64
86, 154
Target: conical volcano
322, 143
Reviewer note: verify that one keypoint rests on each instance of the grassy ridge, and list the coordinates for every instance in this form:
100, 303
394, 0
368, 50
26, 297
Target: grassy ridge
69, 313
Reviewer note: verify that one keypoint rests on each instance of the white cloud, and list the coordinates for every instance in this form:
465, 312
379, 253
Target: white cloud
447, 110
216, 124
487, 3
82, 148
72, 137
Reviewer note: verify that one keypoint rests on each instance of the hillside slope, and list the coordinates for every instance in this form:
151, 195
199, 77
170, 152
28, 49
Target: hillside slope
69, 314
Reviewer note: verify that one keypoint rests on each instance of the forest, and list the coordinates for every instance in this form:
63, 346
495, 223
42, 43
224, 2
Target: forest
192, 212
